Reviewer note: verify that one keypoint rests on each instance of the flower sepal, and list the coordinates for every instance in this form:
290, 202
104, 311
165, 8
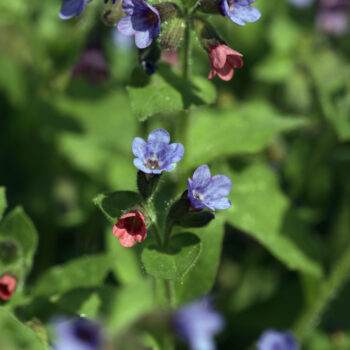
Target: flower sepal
210, 6
147, 184
183, 214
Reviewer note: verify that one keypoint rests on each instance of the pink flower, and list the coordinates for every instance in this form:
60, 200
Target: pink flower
130, 228
7, 286
223, 60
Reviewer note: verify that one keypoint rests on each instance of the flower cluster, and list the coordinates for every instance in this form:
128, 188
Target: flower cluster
145, 22
153, 158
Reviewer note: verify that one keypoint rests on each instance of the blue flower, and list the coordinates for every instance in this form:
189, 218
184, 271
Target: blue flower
206, 191
142, 20
71, 8
273, 340
197, 323
78, 334
240, 11
157, 154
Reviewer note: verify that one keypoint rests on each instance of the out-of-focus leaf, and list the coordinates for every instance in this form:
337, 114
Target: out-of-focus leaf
258, 208
88, 271
176, 261
18, 227
201, 278
15, 335
3, 202
126, 304
113, 205
274, 69
126, 267
246, 129
166, 91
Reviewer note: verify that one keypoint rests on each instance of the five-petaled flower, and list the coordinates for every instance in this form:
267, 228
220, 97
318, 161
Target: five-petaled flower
71, 8
8, 285
205, 191
271, 340
240, 11
130, 228
92, 65
77, 334
223, 60
157, 154
197, 323
142, 20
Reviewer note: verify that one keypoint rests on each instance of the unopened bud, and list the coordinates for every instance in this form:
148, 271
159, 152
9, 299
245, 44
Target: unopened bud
209, 6
113, 13
207, 35
167, 11
172, 33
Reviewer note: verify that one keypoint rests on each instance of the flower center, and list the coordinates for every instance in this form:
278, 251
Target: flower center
152, 164
86, 334
133, 225
4, 289
231, 4
197, 196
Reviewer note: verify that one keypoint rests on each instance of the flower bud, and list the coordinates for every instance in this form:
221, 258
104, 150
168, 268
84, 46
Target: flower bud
207, 35
8, 285
172, 34
167, 11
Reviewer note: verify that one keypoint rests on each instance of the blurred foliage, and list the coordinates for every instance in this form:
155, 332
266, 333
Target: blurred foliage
280, 129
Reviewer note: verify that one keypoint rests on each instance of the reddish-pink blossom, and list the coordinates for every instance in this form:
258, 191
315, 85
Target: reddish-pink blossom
130, 228
223, 60
8, 285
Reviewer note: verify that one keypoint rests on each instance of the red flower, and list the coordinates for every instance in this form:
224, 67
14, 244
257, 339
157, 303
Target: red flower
223, 60
7, 286
130, 228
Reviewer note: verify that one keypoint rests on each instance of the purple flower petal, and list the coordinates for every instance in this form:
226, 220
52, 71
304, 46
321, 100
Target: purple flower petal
159, 135
201, 176
240, 11
71, 8
125, 26
143, 39
139, 147
271, 340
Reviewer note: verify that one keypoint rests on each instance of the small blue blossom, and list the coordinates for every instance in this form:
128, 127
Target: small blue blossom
71, 8
205, 191
198, 323
142, 21
157, 154
273, 340
78, 334
240, 11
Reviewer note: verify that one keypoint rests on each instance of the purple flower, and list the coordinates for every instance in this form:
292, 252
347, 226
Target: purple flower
92, 65
197, 323
78, 334
273, 340
157, 154
142, 20
240, 11
71, 8
206, 191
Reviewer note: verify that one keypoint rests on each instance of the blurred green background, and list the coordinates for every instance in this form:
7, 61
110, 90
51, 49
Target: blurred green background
281, 128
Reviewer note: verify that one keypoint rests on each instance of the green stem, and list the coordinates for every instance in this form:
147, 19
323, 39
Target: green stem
167, 232
170, 293
312, 315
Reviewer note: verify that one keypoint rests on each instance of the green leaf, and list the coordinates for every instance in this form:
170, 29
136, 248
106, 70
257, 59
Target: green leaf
166, 91
89, 271
176, 261
16, 335
126, 304
201, 278
114, 204
252, 127
3, 202
18, 227
258, 208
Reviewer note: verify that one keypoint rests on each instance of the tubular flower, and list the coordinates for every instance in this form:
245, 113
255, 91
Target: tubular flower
142, 21
8, 286
157, 154
223, 60
197, 323
205, 191
273, 340
130, 228
240, 11
71, 8
78, 334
